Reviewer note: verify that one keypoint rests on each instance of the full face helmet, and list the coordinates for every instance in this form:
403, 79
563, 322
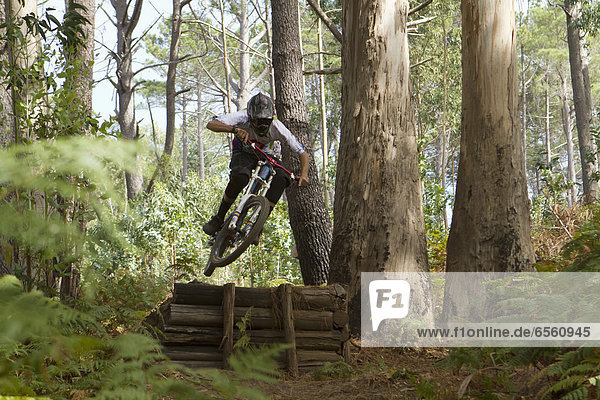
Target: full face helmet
260, 113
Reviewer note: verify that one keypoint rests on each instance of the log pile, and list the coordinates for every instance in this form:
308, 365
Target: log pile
199, 323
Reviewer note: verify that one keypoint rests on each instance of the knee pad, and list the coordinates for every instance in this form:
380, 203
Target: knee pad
235, 185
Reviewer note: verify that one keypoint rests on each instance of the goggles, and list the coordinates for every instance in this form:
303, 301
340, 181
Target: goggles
261, 125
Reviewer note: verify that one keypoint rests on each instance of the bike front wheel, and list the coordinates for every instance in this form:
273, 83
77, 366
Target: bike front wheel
230, 244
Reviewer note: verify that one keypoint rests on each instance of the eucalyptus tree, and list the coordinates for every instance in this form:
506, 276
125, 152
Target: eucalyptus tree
378, 213
7, 125
543, 38
79, 54
20, 48
490, 228
82, 55
20, 51
435, 76
235, 81
7, 122
580, 82
322, 57
124, 85
174, 60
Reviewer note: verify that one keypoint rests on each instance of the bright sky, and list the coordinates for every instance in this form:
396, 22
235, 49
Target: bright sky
104, 96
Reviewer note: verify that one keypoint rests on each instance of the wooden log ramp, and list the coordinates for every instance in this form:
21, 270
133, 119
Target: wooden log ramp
199, 324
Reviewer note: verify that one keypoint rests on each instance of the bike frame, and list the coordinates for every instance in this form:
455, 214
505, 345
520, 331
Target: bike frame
265, 184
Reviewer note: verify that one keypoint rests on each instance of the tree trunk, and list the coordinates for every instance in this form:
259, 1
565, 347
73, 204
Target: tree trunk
227, 99
378, 211
83, 57
171, 77
547, 123
490, 226
126, 114
524, 109
324, 145
444, 157
244, 93
580, 81
270, 50
21, 56
184, 141
245, 84
308, 214
7, 121
568, 131
201, 171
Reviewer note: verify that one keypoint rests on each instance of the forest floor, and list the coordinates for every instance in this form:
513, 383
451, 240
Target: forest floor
382, 374
385, 374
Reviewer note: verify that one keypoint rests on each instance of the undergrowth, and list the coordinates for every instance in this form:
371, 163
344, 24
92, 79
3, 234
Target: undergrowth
49, 349
562, 373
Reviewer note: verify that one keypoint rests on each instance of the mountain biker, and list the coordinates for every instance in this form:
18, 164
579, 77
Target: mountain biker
255, 125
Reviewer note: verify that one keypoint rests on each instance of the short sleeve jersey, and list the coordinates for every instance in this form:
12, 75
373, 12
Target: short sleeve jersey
269, 142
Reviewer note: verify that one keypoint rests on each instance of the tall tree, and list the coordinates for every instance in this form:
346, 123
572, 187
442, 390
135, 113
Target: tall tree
309, 218
125, 25
184, 140
199, 128
490, 228
19, 51
567, 125
580, 81
378, 215
172, 74
7, 129
82, 57
7, 122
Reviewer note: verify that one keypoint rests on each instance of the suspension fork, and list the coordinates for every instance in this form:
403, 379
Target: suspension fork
265, 185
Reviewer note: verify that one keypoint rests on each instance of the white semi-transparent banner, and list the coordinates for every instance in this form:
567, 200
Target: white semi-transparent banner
456, 309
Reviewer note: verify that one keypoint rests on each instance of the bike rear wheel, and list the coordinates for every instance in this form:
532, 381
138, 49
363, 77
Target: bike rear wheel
229, 245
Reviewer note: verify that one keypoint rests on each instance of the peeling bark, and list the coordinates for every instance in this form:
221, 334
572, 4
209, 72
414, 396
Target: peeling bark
378, 211
490, 226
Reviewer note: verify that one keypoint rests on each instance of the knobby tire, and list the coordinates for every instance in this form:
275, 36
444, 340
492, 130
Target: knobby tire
223, 240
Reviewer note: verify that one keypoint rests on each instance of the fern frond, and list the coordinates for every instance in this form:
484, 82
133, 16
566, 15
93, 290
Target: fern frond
585, 368
568, 383
257, 364
577, 394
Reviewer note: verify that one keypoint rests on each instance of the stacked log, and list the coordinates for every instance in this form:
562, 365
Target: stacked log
199, 323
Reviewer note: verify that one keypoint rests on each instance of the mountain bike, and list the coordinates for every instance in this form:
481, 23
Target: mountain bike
243, 226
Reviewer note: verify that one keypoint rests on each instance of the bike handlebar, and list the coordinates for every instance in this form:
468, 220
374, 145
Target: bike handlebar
270, 160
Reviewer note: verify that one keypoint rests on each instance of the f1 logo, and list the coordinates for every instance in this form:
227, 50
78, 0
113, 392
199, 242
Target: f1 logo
389, 300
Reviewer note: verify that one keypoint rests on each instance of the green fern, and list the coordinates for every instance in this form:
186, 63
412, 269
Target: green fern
242, 326
576, 371
46, 349
247, 364
577, 394
586, 368
474, 358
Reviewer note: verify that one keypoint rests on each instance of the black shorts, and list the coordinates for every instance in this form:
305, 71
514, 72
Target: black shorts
243, 163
